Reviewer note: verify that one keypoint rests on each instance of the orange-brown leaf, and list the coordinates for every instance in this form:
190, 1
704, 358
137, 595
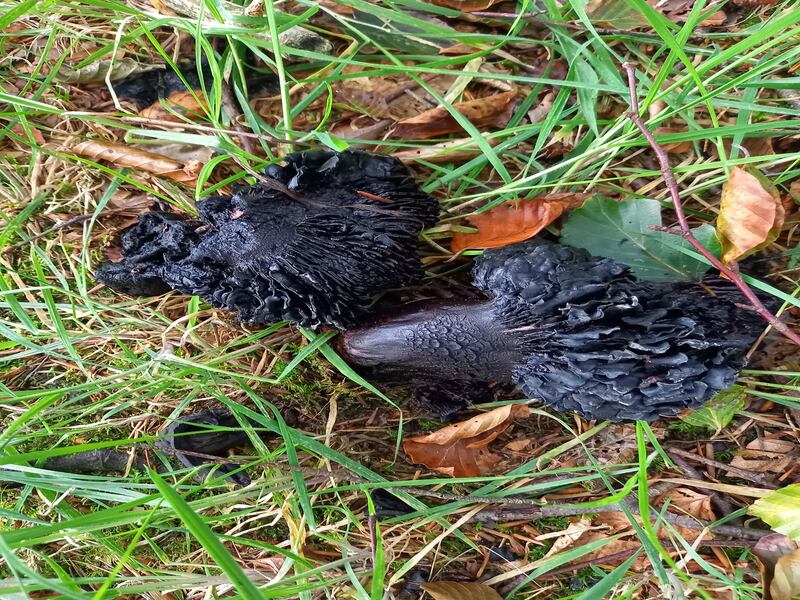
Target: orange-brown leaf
514, 222
456, 590
184, 103
460, 449
123, 155
483, 112
750, 215
467, 5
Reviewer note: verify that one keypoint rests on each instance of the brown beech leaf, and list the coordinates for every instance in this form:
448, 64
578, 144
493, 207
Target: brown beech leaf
184, 103
466, 5
767, 455
514, 221
123, 155
460, 449
688, 502
454, 590
483, 112
750, 215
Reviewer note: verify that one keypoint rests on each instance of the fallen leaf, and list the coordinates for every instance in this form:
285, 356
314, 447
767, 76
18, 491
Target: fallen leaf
752, 3
460, 449
123, 155
98, 71
462, 49
184, 153
770, 550
780, 509
453, 590
719, 411
184, 103
19, 130
539, 112
514, 221
767, 455
786, 583
567, 537
674, 147
750, 215
392, 97
451, 151
133, 202
688, 502
483, 112
466, 5
615, 13
623, 231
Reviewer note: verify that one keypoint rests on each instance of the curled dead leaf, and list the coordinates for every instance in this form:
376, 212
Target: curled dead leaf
98, 71
750, 215
185, 104
488, 111
451, 151
514, 222
455, 590
767, 455
460, 449
123, 155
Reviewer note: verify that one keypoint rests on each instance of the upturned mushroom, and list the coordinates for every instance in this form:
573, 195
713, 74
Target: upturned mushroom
576, 331
314, 242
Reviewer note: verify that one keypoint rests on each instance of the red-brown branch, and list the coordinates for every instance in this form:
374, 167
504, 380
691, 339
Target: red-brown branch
685, 231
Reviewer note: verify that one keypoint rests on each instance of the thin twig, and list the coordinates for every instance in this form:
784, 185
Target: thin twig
619, 556
567, 510
685, 231
753, 476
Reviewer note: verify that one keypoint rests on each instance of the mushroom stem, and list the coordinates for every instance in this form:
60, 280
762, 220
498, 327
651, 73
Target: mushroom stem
463, 341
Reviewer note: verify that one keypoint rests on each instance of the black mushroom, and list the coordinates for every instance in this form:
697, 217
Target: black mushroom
151, 87
203, 440
576, 331
314, 243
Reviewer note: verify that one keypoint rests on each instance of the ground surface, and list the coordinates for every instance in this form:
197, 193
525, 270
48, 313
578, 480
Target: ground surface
84, 368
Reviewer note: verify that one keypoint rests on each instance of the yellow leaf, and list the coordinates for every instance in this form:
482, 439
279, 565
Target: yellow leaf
750, 215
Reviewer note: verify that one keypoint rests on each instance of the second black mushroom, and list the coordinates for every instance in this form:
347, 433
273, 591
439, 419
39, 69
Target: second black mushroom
576, 331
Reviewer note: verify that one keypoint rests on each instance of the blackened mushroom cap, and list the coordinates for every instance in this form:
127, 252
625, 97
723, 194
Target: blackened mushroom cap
599, 342
312, 245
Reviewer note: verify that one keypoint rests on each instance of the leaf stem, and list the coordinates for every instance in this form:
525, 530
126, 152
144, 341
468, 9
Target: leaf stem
684, 231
